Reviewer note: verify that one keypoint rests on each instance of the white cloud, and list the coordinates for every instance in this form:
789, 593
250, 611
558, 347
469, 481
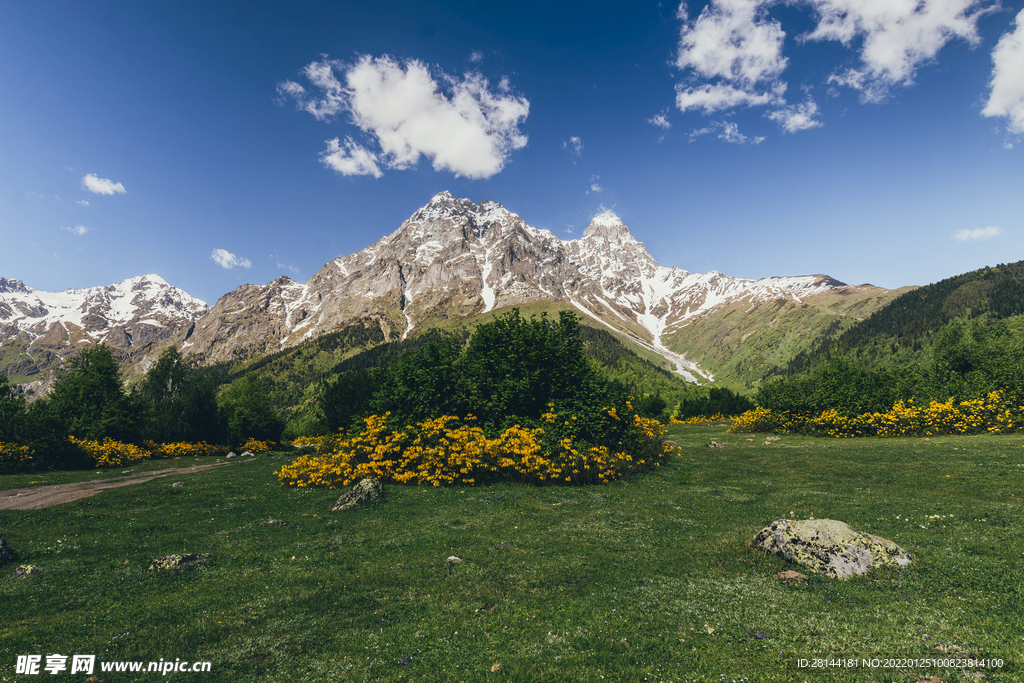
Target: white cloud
897, 36
225, 259
711, 98
476, 57
660, 120
293, 269
733, 53
101, 185
458, 123
82, 202
728, 131
733, 40
1007, 84
353, 159
575, 146
796, 117
76, 230
977, 234
594, 185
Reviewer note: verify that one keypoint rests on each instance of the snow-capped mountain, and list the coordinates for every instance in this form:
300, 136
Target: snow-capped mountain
455, 258
37, 329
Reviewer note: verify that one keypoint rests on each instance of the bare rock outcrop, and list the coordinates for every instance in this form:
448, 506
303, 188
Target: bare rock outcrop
175, 561
365, 491
830, 547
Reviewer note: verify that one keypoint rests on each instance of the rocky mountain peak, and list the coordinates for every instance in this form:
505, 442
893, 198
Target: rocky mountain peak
609, 226
12, 286
480, 217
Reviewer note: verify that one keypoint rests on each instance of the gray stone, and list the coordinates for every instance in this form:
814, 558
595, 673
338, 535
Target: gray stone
275, 522
175, 561
365, 491
6, 552
247, 454
178, 485
829, 547
232, 454
770, 439
715, 444
26, 570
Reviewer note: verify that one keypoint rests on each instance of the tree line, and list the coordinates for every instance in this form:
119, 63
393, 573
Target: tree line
174, 402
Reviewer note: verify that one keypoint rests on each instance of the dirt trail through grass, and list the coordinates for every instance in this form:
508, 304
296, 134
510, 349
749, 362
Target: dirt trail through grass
39, 497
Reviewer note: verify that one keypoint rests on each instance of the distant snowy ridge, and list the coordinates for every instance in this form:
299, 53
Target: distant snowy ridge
97, 311
136, 317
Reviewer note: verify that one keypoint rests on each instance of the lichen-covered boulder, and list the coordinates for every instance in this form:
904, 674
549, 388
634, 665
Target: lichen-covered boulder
6, 553
365, 491
829, 547
26, 570
174, 561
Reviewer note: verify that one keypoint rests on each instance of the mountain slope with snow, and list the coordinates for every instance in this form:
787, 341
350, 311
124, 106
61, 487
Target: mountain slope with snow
454, 258
39, 329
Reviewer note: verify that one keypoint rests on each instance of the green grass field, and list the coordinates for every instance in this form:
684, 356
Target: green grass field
648, 580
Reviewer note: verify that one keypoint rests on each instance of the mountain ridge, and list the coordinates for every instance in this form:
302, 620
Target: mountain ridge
450, 260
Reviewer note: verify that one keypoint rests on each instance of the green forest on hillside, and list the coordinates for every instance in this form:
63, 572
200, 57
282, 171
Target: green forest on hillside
960, 338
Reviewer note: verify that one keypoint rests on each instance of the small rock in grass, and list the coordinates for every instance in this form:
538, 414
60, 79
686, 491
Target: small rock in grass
6, 552
829, 547
177, 485
232, 454
790, 575
769, 439
454, 560
174, 561
26, 570
247, 454
275, 522
365, 491
715, 444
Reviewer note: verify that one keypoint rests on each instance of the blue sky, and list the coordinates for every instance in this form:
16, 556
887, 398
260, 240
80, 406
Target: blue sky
216, 143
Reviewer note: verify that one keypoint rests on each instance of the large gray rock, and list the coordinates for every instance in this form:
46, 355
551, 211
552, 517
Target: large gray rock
6, 553
174, 561
829, 547
366, 491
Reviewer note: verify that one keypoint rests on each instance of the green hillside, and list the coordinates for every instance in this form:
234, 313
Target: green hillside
905, 330
962, 338
742, 345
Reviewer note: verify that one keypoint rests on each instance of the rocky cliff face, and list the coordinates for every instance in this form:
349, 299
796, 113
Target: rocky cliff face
136, 317
455, 258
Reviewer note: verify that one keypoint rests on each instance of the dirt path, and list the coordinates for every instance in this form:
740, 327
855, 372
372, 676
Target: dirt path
39, 497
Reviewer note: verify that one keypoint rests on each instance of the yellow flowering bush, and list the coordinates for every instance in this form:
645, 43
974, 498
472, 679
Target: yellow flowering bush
14, 456
256, 446
449, 450
184, 449
310, 441
997, 413
110, 452
699, 419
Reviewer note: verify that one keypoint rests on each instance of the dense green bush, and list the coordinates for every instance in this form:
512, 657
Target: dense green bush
89, 398
176, 403
510, 371
712, 400
248, 412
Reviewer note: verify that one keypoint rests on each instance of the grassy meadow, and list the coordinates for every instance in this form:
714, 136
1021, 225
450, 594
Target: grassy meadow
646, 580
